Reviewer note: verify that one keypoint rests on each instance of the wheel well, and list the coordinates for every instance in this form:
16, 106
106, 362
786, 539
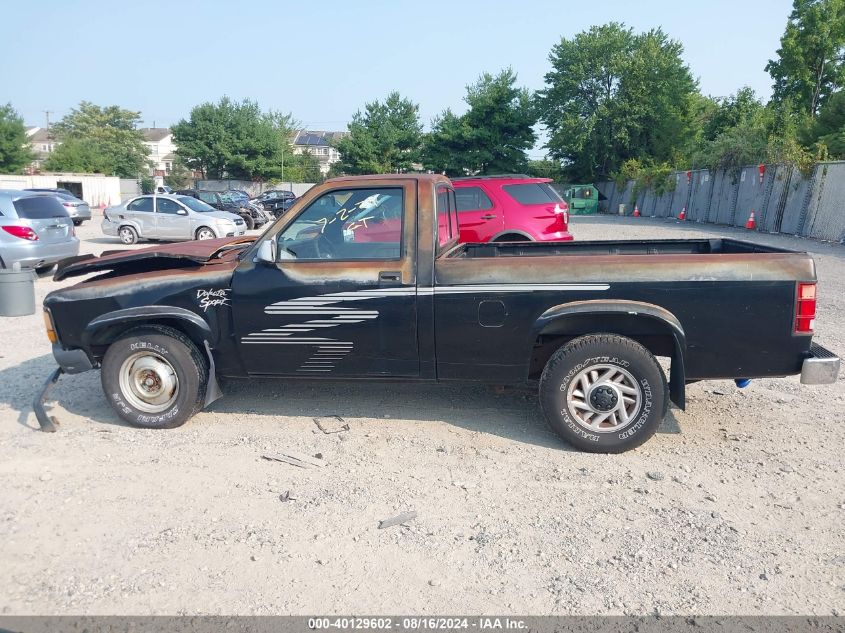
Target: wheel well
512, 237
108, 334
652, 334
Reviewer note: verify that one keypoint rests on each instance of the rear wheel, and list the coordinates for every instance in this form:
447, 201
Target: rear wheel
43, 271
127, 235
154, 377
603, 393
512, 237
205, 233
250, 223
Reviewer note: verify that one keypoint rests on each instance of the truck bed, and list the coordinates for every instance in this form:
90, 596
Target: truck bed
719, 246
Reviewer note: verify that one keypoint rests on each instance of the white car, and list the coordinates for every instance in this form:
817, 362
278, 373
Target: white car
169, 218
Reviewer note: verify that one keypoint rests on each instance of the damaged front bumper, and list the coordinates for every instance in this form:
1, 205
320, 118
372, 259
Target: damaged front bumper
70, 361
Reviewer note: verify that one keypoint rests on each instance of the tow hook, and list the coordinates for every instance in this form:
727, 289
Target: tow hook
742, 383
47, 423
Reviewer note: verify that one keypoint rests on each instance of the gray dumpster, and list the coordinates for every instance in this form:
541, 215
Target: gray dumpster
17, 292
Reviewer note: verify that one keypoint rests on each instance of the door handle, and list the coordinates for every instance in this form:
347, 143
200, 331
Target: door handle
489, 216
390, 278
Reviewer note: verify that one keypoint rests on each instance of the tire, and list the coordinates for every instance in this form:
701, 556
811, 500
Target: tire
511, 237
127, 235
250, 223
622, 378
166, 357
77, 222
205, 233
44, 271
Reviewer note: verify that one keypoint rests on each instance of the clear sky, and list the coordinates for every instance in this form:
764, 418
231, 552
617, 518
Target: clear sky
322, 60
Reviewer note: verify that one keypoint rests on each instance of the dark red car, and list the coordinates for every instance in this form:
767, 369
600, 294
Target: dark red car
510, 209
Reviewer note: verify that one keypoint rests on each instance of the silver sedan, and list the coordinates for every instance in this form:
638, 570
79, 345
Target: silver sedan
171, 218
35, 230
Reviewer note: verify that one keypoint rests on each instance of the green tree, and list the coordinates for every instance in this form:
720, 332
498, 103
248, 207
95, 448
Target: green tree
828, 130
109, 132
83, 155
546, 168
809, 67
613, 95
235, 140
384, 138
179, 176
15, 153
492, 137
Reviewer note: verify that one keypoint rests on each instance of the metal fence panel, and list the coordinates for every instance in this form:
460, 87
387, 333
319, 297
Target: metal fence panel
607, 188
798, 193
750, 197
826, 214
680, 196
721, 205
699, 204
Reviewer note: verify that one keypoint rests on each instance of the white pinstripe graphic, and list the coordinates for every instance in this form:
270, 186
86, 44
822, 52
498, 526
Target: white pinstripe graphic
329, 349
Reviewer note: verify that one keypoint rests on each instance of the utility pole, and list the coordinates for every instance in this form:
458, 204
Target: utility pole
47, 114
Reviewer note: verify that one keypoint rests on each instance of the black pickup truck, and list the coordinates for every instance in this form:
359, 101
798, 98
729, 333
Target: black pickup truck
364, 279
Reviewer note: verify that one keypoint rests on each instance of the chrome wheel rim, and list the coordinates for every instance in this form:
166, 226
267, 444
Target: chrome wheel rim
604, 398
126, 236
148, 382
205, 234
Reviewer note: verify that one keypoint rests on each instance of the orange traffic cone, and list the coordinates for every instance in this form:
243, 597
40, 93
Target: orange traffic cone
683, 215
752, 222
636, 211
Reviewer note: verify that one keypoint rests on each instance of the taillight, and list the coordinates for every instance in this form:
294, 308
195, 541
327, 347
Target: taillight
805, 308
23, 232
562, 211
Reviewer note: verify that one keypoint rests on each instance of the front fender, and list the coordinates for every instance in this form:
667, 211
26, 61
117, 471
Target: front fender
624, 317
195, 326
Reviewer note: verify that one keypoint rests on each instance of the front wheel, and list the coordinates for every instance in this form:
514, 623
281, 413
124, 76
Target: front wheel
250, 223
154, 377
603, 393
127, 235
205, 233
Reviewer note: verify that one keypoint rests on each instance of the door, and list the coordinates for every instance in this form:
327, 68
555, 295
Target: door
142, 212
479, 217
340, 298
172, 220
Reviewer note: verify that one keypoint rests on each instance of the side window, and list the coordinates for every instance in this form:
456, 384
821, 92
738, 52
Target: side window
166, 205
472, 199
208, 198
444, 228
347, 224
141, 204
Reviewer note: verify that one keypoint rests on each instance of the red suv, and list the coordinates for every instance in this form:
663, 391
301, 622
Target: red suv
510, 209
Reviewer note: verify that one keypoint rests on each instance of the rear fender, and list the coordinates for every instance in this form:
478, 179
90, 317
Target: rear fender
650, 324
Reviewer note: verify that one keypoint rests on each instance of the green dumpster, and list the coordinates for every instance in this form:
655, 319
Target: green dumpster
582, 199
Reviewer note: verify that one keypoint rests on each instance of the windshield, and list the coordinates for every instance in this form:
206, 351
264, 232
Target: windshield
228, 198
195, 205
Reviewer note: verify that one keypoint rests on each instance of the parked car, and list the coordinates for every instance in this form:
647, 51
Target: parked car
164, 189
35, 230
510, 209
582, 321
276, 201
223, 202
169, 218
77, 209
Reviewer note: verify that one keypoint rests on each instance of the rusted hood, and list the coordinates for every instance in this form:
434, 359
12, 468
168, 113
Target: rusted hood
154, 258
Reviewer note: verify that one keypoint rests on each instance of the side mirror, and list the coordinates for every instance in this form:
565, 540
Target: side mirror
267, 252
181, 212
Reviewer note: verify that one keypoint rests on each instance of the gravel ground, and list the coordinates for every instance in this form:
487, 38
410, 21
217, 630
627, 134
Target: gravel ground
735, 507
